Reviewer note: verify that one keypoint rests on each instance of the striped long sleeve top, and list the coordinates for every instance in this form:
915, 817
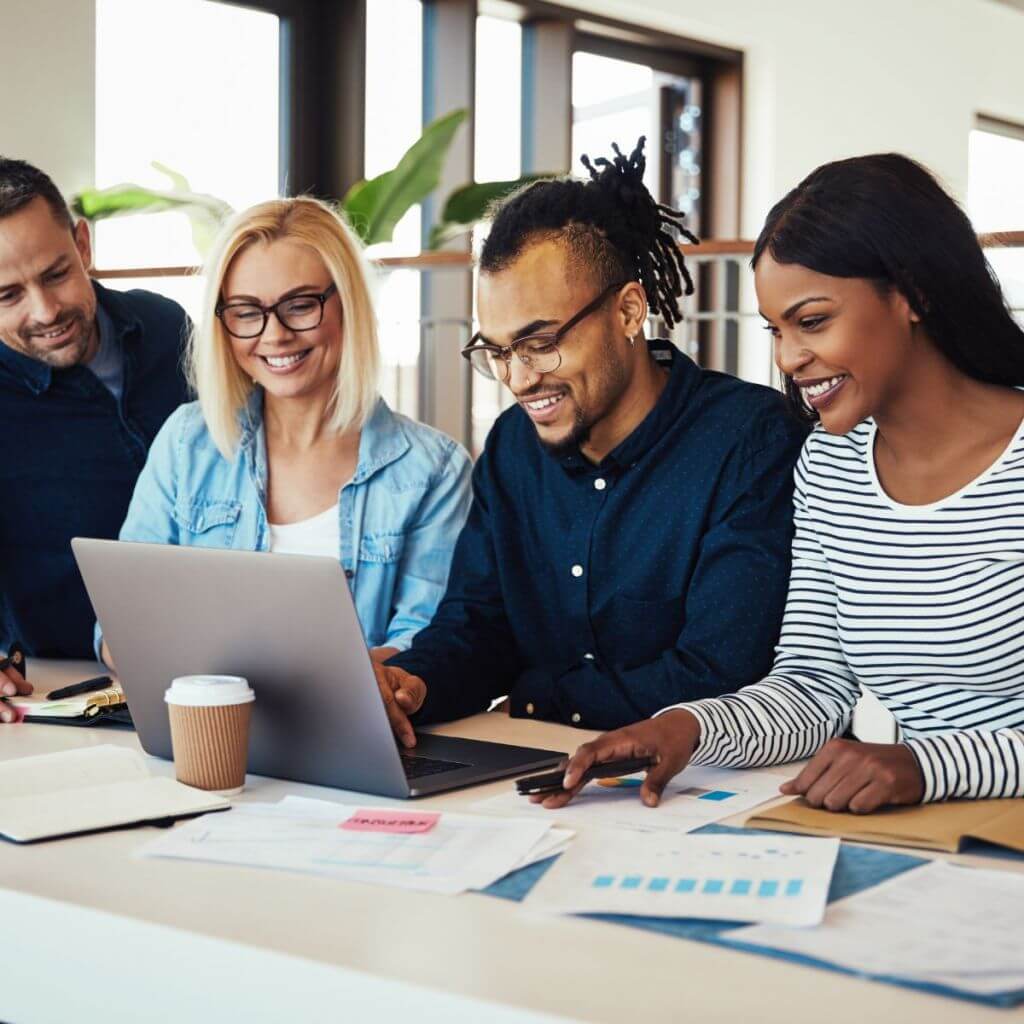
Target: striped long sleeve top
921, 604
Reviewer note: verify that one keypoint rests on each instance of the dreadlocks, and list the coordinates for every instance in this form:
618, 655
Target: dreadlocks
611, 226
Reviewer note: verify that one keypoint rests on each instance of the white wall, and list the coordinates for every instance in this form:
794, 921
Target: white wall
47, 81
823, 79
831, 78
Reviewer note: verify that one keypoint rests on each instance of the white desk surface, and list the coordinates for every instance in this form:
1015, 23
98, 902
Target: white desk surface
471, 945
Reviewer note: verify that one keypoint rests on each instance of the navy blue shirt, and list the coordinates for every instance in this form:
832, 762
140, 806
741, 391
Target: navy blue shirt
595, 595
70, 453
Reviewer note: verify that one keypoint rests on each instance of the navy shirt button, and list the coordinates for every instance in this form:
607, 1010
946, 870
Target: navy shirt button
577, 571
600, 484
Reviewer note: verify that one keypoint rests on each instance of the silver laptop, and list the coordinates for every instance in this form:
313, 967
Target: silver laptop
288, 624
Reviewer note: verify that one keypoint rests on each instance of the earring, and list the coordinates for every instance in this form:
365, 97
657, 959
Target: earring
631, 339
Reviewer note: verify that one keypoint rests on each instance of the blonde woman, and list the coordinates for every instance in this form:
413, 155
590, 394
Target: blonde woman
290, 448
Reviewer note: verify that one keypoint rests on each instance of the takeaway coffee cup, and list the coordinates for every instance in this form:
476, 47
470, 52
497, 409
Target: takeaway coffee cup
209, 718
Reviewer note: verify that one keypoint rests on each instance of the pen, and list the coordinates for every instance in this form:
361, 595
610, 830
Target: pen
76, 689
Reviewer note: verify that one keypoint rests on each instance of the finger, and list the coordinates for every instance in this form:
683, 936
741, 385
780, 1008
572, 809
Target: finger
870, 798
552, 801
850, 784
13, 683
812, 772
411, 694
658, 778
833, 776
400, 724
6, 714
610, 747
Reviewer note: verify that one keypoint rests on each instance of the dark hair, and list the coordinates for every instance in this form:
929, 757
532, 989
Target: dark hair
611, 225
885, 218
20, 183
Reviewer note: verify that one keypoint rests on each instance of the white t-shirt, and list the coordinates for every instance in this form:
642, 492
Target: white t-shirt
320, 535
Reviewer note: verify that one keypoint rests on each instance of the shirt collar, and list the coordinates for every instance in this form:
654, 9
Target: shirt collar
115, 320
681, 379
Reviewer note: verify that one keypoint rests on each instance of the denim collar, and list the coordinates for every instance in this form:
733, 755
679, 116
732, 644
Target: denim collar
381, 442
37, 376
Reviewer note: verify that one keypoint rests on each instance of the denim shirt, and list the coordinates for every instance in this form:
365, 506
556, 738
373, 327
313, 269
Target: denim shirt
399, 515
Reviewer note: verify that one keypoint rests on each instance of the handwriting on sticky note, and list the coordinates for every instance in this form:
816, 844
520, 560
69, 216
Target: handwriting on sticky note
396, 822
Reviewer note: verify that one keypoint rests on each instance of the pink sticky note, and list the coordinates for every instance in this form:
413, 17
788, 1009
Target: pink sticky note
386, 820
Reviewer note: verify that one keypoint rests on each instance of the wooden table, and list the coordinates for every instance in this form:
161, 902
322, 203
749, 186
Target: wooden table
472, 944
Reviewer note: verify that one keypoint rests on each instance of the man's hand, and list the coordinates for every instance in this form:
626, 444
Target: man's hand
12, 684
859, 777
670, 738
403, 694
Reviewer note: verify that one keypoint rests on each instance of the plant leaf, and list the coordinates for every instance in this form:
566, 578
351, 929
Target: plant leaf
374, 207
468, 205
206, 213
178, 181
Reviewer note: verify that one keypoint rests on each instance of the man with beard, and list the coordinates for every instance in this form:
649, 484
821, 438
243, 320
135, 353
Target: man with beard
629, 541
87, 377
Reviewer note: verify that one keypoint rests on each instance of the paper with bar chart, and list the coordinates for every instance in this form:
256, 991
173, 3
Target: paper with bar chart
698, 796
764, 879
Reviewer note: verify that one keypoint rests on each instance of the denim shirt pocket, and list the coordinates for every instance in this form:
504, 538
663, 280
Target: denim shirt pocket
208, 524
381, 548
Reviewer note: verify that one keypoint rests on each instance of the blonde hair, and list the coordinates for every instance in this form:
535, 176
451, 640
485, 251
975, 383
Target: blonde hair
221, 385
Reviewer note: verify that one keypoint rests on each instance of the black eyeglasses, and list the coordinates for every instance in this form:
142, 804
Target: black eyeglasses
540, 352
297, 313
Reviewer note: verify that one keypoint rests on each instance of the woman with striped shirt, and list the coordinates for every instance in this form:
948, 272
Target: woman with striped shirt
908, 557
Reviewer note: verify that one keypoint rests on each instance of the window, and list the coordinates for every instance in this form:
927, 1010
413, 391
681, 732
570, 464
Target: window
497, 157
995, 198
158, 64
394, 101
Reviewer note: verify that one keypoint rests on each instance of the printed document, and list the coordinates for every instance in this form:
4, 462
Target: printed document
696, 797
778, 879
456, 853
953, 926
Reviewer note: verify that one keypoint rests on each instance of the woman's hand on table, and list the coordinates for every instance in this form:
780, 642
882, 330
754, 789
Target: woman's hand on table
670, 738
846, 775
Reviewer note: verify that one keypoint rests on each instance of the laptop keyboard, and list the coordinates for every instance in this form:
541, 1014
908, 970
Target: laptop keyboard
418, 767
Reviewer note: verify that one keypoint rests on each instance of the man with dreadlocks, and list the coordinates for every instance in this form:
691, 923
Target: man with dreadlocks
629, 541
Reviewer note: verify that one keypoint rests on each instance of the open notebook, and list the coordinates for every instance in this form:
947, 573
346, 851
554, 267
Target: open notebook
89, 790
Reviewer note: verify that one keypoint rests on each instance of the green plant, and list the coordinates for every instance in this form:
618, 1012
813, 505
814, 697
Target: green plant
373, 207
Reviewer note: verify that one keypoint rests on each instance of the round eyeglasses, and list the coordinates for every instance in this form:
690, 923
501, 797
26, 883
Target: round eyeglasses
302, 312
540, 352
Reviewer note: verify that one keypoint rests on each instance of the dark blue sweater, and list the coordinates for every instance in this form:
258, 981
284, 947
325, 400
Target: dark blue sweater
597, 595
69, 458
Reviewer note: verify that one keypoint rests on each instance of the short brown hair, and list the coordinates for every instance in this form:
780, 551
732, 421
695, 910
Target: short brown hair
20, 183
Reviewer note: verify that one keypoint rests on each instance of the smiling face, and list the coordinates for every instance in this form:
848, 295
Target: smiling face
847, 345
537, 294
47, 305
286, 363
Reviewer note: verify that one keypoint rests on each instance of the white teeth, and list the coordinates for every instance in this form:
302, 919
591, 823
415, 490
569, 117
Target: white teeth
543, 403
282, 361
53, 334
826, 385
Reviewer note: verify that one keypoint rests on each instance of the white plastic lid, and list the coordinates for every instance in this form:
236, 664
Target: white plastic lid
209, 691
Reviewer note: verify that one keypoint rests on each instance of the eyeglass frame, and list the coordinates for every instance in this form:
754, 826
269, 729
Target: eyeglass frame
321, 297
505, 352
